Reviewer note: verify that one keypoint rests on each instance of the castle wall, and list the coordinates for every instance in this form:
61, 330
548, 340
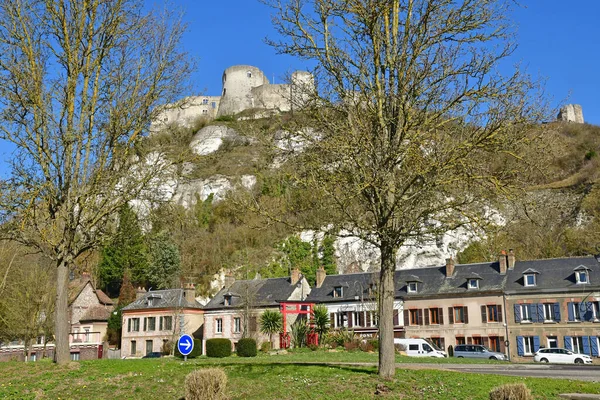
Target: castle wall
187, 111
238, 82
272, 97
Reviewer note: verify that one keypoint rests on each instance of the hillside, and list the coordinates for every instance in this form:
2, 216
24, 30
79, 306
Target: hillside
559, 215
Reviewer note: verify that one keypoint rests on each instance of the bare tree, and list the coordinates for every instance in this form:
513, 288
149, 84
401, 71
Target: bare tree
413, 129
79, 84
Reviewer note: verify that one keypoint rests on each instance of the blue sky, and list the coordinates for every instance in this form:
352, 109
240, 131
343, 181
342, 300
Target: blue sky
558, 40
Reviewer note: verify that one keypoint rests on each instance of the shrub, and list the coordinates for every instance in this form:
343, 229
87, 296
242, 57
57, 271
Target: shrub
511, 391
196, 351
265, 347
369, 345
590, 154
205, 384
225, 118
218, 348
313, 347
400, 347
167, 347
246, 347
350, 346
299, 330
450, 351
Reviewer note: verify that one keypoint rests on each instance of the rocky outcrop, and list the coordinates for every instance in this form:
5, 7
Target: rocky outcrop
571, 113
210, 138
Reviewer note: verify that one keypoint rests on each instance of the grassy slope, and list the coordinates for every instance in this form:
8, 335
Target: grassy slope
264, 377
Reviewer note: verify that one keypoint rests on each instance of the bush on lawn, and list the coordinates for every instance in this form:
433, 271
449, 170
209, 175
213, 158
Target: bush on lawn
218, 348
196, 351
246, 347
511, 391
205, 384
265, 347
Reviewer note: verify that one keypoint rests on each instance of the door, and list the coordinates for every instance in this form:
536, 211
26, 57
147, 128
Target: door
148, 347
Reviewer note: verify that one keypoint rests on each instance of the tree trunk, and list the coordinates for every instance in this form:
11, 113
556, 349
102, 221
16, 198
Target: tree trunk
26, 349
387, 368
61, 323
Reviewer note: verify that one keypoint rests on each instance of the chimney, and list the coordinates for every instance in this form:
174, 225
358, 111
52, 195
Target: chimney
229, 280
502, 261
511, 259
294, 276
189, 292
139, 293
85, 276
321, 274
449, 267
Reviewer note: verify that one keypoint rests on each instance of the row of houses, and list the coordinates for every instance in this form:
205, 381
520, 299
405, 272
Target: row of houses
511, 306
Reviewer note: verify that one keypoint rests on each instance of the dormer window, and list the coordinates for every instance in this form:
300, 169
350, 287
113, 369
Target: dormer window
473, 283
582, 275
529, 277
338, 291
412, 287
227, 299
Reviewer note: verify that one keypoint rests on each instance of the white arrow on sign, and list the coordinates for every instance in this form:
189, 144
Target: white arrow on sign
186, 344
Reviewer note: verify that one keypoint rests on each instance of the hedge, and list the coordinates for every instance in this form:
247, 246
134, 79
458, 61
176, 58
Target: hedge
218, 348
196, 351
246, 347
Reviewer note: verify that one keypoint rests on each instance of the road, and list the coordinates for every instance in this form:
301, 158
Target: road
589, 373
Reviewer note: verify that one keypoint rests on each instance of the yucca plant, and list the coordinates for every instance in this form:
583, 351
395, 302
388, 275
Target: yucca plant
271, 322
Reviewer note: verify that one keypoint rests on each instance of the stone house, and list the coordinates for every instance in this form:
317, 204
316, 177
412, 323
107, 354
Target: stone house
351, 302
234, 312
455, 304
553, 303
157, 317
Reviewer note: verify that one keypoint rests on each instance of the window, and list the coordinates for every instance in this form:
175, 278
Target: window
74, 356
152, 323
204, 101
87, 334
224, 91
529, 279
133, 347
414, 317
548, 312
337, 291
414, 347
473, 283
460, 340
439, 342
494, 343
491, 313
596, 310
528, 345
574, 311
219, 327
577, 345
412, 287
582, 276
213, 104
253, 324
552, 342
165, 323
341, 319
133, 325
249, 74
204, 112
237, 325
525, 313
227, 300
434, 316
460, 315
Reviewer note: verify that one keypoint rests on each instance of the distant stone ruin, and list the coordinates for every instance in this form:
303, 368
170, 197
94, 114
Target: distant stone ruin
571, 113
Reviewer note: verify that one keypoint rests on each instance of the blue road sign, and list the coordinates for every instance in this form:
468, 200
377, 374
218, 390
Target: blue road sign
185, 344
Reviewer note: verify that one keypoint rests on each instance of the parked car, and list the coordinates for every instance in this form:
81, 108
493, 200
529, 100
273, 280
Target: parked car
154, 354
477, 351
420, 348
561, 356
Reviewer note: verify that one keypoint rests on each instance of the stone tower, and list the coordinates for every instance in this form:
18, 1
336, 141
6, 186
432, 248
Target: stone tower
571, 113
238, 82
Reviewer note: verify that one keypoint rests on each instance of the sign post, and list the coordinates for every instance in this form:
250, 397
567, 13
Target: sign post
185, 345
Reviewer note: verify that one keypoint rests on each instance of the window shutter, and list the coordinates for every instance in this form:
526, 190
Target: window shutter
466, 311
485, 342
536, 343
568, 343
396, 319
586, 345
557, 312
589, 311
594, 345
540, 312
483, 314
349, 318
499, 308
441, 315
570, 311
450, 315
361, 318
427, 316
517, 308
160, 324
420, 316
520, 348
332, 320
145, 323
129, 325
406, 318
533, 310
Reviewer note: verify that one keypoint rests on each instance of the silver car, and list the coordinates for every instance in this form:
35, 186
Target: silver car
477, 351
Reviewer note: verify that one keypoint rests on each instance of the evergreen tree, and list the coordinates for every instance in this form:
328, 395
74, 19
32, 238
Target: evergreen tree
328, 255
127, 292
300, 255
126, 251
164, 262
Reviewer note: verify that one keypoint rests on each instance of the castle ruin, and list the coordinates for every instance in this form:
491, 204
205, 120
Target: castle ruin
244, 88
571, 113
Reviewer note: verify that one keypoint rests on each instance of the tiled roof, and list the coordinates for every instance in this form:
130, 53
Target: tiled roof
96, 313
168, 298
264, 292
103, 298
554, 274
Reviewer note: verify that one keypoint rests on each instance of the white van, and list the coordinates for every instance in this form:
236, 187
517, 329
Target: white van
420, 348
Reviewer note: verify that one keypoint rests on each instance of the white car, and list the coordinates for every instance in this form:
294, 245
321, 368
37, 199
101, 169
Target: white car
561, 356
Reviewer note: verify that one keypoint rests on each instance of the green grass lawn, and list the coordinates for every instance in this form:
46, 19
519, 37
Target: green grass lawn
264, 377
